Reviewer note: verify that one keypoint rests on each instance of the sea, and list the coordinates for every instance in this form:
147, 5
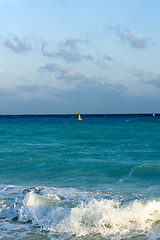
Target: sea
94, 179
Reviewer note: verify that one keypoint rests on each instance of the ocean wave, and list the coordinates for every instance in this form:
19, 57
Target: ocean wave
77, 212
150, 171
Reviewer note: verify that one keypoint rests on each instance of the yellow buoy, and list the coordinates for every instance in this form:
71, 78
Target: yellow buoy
79, 116
153, 115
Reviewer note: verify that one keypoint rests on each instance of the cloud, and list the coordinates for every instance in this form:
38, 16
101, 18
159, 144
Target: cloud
155, 82
52, 68
108, 58
84, 87
125, 35
147, 77
68, 55
92, 97
45, 52
61, 72
106, 98
154, 79
71, 53
71, 43
68, 50
101, 64
6, 92
29, 88
18, 45
87, 97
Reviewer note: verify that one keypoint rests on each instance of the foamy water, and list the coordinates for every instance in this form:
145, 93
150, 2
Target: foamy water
64, 213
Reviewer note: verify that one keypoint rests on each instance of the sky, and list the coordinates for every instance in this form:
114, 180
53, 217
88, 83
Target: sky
92, 56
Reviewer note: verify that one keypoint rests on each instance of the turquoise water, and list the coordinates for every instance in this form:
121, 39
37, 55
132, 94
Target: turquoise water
98, 178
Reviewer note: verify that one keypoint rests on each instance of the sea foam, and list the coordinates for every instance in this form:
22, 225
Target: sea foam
78, 213
93, 216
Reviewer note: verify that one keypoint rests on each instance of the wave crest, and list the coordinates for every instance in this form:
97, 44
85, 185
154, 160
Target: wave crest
104, 217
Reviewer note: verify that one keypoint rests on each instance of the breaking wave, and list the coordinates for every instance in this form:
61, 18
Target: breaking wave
79, 213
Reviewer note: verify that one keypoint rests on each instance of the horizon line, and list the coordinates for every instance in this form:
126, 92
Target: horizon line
59, 114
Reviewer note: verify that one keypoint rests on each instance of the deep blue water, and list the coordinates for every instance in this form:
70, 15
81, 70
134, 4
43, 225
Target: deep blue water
101, 158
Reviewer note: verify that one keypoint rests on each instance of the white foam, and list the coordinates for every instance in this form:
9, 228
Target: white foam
105, 217
78, 213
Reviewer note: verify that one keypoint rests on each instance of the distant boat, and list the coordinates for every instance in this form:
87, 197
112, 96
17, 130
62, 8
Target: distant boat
154, 115
79, 116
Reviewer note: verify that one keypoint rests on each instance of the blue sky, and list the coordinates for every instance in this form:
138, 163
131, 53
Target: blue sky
65, 56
